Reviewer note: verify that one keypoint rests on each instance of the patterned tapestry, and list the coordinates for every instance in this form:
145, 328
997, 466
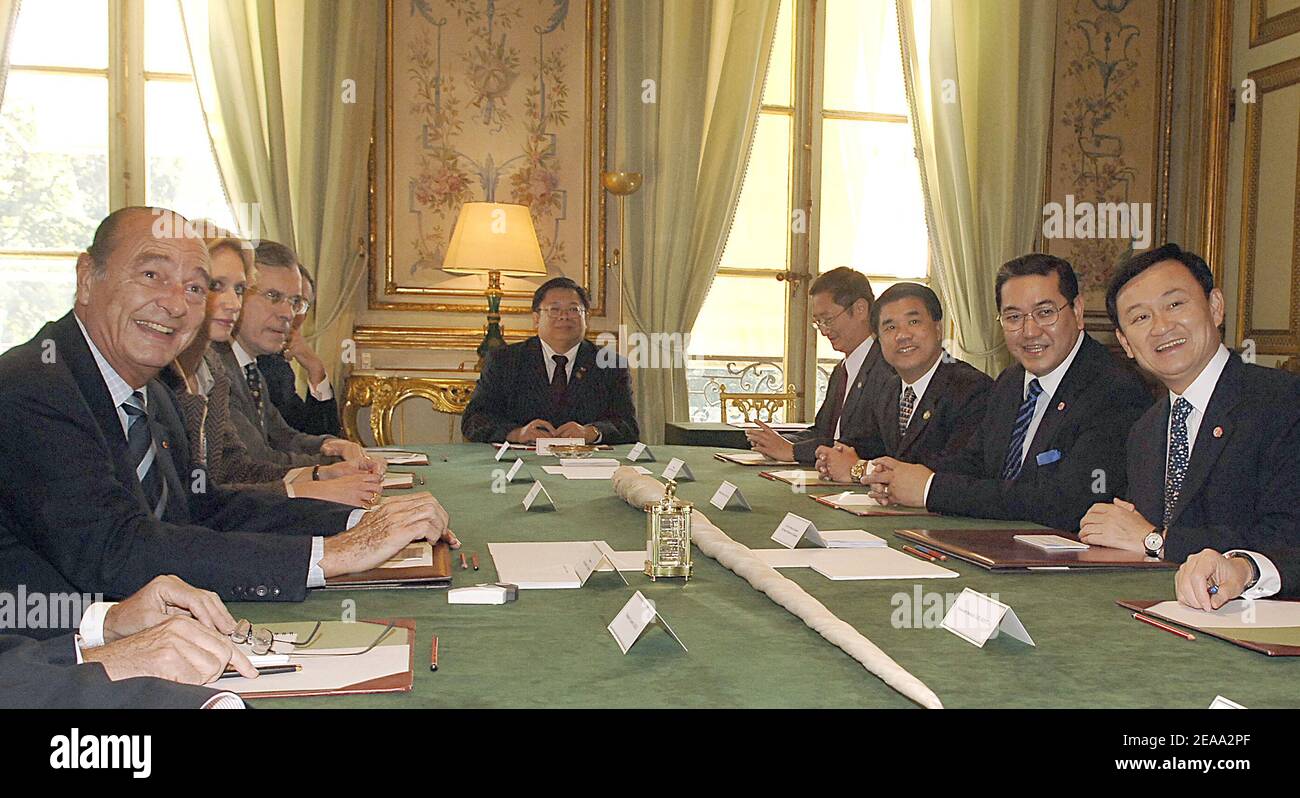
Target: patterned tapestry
1107, 166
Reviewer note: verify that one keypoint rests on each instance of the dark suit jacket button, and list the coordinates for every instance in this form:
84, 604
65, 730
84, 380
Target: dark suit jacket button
238, 591
275, 591
261, 591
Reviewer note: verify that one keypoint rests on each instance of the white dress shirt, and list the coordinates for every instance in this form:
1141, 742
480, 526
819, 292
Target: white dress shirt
853, 365
1198, 396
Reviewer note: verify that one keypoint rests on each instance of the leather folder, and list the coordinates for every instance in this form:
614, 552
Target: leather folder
437, 575
813, 480
893, 509
1271, 649
393, 683
997, 550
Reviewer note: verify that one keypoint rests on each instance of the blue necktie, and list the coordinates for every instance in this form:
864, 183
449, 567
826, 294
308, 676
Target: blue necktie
1015, 450
143, 452
1179, 455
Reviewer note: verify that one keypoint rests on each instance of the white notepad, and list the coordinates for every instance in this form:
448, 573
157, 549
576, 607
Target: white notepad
876, 563
549, 566
1052, 543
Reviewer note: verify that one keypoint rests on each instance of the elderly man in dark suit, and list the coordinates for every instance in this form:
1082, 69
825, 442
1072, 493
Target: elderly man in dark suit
270, 304
555, 384
154, 650
1052, 440
841, 302
931, 407
95, 469
1214, 466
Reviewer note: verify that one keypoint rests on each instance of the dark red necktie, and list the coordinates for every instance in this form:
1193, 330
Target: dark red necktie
560, 379
836, 392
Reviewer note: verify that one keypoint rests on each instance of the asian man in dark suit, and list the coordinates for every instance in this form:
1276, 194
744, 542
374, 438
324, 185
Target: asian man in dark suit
155, 649
1052, 439
555, 384
1214, 466
841, 302
933, 405
95, 470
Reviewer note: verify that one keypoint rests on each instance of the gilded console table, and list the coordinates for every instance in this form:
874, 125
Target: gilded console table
382, 395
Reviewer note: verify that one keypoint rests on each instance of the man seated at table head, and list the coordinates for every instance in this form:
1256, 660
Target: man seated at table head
96, 475
932, 405
270, 304
840, 302
1052, 439
318, 413
1214, 466
556, 384
155, 649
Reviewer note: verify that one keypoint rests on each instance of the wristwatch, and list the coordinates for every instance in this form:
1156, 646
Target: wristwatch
1254, 569
859, 468
1154, 542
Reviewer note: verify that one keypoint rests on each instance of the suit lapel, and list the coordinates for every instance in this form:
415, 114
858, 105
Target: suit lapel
1006, 403
1147, 485
81, 363
856, 391
584, 362
166, 446
888, 420
1213, 434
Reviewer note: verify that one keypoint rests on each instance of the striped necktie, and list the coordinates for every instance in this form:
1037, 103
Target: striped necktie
143, 451
905, 407
1016, 449
1179, 456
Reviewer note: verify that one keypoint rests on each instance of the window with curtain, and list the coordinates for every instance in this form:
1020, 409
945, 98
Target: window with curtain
99, 112
832, 181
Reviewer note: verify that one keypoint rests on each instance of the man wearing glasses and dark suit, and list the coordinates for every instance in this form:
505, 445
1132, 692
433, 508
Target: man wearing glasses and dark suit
553, 385
265, 322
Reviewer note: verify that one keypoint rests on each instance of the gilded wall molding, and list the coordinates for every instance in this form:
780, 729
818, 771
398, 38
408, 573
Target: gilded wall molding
1265, 28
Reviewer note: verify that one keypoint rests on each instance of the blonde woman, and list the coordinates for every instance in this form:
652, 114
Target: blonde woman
203, 390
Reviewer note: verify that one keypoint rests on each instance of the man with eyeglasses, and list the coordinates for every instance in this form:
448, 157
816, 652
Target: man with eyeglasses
1052, 441
1214, 466
96, 473
841, 302
270, 306
318, 413
552, 385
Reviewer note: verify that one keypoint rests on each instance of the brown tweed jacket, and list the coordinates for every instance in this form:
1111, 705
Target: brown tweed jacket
216, 445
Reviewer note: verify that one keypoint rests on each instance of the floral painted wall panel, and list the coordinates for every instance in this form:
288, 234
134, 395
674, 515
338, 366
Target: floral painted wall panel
488, 100
1109, 149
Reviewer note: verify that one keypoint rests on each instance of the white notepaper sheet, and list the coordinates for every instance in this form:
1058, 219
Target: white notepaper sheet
1236, 614
875, 563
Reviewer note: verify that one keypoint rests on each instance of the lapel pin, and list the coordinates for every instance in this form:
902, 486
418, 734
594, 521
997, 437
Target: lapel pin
1218, 432
925, 416
166, 444
1061, 406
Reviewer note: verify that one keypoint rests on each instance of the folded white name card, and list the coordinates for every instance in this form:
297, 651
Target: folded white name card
544, 444
518, 473
538, 499
505, 447
638, 613
794, 528
640, 453
729, 497
1220, 702
678, 470
976, 618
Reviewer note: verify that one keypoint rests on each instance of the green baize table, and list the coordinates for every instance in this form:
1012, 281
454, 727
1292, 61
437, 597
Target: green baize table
551, 648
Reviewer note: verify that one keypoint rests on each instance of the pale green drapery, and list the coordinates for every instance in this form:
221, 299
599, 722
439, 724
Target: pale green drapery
288, 89
8, 16
979, 80
690, 133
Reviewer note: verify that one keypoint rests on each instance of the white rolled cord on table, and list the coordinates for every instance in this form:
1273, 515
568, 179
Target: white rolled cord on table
638, 489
